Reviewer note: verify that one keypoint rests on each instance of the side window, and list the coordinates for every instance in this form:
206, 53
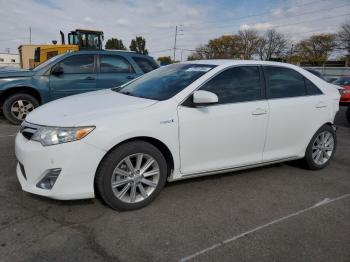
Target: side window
311, 89
237, 84
145, 65
284, 82
78, 64
114, 64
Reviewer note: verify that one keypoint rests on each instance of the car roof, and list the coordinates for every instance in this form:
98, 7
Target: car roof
226, 62
113, 52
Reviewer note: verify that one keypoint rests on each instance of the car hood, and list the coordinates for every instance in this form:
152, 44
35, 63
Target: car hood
86, 109
9, 73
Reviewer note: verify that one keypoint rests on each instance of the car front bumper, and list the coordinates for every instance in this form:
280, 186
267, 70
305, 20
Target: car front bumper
77, 160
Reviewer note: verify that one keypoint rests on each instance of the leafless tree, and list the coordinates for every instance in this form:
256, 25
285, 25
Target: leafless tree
272, 44
343, 37
249, 42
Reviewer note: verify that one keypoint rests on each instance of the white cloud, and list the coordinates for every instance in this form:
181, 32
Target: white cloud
156, 20
258, 26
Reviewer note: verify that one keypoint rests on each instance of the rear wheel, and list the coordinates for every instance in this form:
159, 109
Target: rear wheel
321, 148
131, 175
16, 107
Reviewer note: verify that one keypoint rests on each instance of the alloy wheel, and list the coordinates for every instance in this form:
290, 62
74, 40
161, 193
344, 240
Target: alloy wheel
135, 178
323, 147
21, 108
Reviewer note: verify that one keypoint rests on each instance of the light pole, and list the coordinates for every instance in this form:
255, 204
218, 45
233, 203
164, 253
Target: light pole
178, 31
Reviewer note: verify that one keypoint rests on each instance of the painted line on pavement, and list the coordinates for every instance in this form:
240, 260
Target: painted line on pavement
229, 240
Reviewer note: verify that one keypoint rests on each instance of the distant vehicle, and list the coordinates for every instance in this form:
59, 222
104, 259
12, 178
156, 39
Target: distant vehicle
72, 73
179, 121
344, 82
316, 73
79, 39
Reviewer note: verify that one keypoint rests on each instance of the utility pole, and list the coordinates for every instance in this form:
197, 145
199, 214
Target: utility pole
30, 35
177, 32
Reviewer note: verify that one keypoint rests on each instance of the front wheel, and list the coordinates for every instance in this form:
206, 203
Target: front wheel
17, 106
131, 175
321, 148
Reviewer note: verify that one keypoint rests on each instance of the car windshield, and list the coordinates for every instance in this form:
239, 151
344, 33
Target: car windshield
342, 81
46, 63
165, 82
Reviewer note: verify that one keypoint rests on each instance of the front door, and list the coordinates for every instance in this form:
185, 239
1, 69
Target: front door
77, 76
230, 133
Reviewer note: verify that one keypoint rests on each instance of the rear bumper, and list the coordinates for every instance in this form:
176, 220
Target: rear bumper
77, 160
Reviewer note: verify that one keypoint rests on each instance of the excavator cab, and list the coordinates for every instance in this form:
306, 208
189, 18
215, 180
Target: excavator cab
86, 39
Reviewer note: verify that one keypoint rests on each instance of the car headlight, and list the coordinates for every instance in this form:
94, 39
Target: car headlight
48, 136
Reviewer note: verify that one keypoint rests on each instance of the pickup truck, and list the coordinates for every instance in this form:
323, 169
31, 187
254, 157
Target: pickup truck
72, 73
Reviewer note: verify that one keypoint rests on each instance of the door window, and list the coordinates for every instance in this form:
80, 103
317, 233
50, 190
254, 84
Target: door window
145, 65
284, 82
78, 64
114, 64
237, 84
311, 88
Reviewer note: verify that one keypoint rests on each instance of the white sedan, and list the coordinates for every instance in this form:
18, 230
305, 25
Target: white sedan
179, 121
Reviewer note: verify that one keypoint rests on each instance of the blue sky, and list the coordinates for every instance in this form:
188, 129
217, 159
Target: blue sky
156, 20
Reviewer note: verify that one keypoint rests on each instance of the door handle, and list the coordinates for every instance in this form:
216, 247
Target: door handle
90, 78
321, 105
130, 77
259, 111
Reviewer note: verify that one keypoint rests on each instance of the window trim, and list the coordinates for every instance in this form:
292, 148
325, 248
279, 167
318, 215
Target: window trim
113, 55
262, 83
75, 55
267, 87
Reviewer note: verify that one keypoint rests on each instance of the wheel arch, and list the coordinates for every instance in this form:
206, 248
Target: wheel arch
163, 148
20, 89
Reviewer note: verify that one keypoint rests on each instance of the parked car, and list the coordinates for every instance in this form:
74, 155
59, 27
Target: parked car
72, 73
179, 121
316, 73
344, 82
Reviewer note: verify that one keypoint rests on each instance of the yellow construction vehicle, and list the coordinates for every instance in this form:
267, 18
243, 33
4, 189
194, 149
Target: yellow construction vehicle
80, 39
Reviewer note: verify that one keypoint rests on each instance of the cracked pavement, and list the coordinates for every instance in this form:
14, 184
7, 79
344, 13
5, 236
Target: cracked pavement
187, 217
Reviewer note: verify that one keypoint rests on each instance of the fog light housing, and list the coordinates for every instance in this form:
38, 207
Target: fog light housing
49, 179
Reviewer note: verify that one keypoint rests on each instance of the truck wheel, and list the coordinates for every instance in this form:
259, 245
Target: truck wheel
17, 106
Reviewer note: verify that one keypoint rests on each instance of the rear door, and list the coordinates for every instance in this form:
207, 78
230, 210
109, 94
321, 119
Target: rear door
297, 110
114, 70
78, 76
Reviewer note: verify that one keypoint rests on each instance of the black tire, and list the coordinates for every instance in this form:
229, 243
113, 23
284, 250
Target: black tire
109, 163
348, 114
308, 159
11, 100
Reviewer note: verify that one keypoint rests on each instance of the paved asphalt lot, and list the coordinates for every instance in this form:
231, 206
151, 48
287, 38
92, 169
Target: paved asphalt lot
275, 213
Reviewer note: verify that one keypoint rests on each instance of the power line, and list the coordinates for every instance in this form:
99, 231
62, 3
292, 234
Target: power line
289, 17
262, 13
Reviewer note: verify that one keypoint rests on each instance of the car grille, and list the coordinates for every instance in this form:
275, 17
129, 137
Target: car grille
28, 129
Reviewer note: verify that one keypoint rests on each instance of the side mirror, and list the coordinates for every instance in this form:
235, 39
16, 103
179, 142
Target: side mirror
203, 98
57, 70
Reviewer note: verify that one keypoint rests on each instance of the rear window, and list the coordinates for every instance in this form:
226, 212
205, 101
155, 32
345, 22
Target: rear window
145, 64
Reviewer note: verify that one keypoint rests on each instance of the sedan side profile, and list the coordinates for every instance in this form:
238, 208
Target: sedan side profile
179, 121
